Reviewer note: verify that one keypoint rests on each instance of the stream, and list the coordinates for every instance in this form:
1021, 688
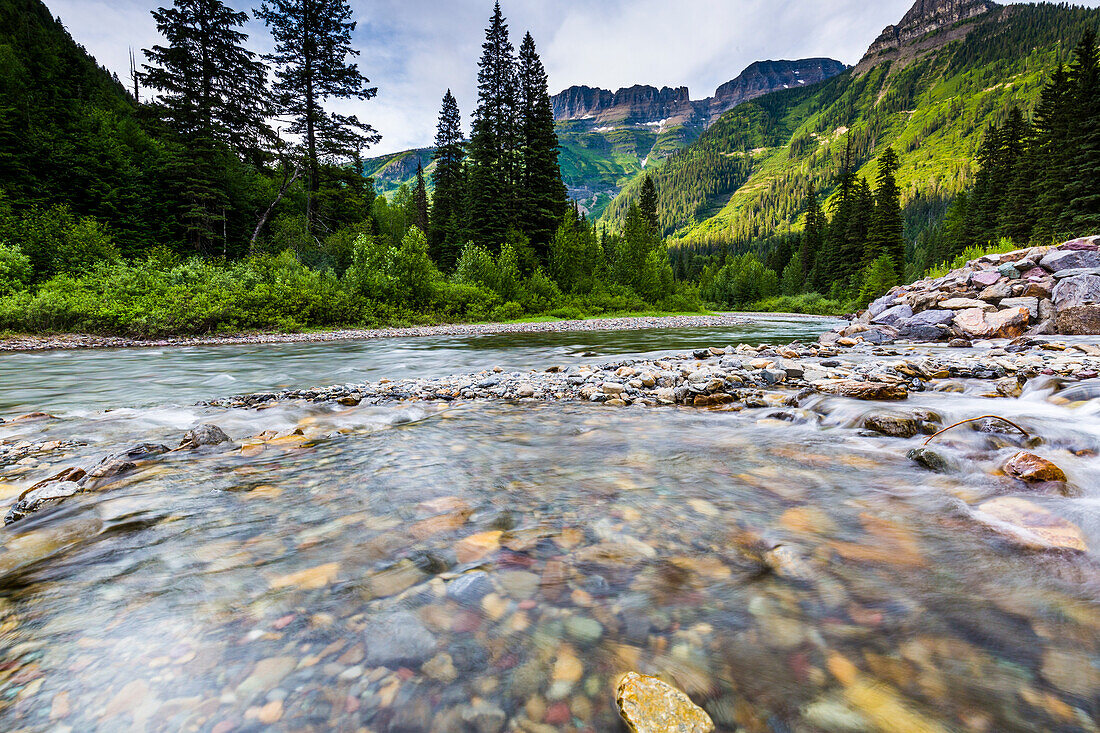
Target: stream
495, 567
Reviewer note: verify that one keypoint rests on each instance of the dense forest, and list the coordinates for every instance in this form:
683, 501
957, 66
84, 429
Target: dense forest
218, 189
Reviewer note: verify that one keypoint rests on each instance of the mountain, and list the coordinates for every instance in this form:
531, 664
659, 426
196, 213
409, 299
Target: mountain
929, 86
646, 105
607, 138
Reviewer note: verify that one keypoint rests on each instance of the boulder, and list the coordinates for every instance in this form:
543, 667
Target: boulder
882, 304
972, 323
1032, 469
985, 278
1070, 259
1040, 290
891, 316
874, 391
1077, 291
203, 435
1082, 321
959, 304
1077, 272
649, 705
1009, 323
1032, 305
1003, 289
1009, 270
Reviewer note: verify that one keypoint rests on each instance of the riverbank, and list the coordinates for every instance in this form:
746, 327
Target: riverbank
84, 341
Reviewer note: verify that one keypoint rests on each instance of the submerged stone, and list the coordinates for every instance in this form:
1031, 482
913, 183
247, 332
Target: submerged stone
399, 640
1032, 469
648, 705
1032, 526
203, 435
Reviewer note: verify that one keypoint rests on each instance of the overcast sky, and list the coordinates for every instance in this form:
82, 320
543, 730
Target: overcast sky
414, 50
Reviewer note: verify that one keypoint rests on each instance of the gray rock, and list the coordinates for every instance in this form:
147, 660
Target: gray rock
398, 640
881, 305
1032, 305
470, 588
1063, 274
931, 460
892, 316
1060, 260
930, 318
41, 496
1077, 291
483, 717
204, 435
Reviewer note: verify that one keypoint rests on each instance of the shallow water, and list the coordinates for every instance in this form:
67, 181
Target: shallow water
473, 567
82, 380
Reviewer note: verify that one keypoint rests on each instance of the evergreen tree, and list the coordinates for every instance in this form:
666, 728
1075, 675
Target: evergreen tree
1082, 192
647, 202
832, 267
541, 196
887, 226
312, 48
492, 149
449, 181
859, 228
420, 201
1052, 120
813, 236
212, 92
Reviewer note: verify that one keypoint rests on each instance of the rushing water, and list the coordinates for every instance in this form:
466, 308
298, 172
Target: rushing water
479, 567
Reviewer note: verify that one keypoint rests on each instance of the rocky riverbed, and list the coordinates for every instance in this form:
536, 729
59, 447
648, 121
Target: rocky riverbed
83, 341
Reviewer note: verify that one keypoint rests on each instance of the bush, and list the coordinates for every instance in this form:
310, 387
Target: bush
15, 270
809, 303
57, 242
510, 311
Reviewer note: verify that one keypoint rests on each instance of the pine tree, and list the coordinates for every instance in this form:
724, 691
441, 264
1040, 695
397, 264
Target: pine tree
312, 48
420, 201
212, 92
1082, 213
449, 181
859, 228
887, 225
1052, 120
541, 196
813, 235
648, 201
492, 149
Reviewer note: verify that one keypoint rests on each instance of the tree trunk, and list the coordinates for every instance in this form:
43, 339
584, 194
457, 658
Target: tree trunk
288, 181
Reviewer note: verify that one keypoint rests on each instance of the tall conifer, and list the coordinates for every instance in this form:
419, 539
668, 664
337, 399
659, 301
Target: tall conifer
648, 203
887, 225
1082, 193
448, 213
312, 52
541, 194
420, 201
492, 149
813, 235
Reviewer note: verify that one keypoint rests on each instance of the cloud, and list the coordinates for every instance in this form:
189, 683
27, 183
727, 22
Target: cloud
414, 50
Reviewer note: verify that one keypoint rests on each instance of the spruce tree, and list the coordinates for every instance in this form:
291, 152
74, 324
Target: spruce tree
212, 91
1082, 192
492, 149
420, 201
449, 181
1052, 120
887, 225
813, 235
541, 194
648, 201
312, 48
859, 228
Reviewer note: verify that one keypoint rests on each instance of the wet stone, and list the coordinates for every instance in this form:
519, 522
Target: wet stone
470, 588
203, 435
397, 640
649, 705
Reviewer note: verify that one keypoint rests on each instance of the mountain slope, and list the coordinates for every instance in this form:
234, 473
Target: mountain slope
929, 87
607, 138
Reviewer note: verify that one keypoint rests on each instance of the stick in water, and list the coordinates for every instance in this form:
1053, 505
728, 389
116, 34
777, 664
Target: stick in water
976, 419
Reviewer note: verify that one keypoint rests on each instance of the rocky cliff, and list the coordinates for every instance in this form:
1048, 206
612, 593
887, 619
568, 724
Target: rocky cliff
648, 105
916, 28
1029, 292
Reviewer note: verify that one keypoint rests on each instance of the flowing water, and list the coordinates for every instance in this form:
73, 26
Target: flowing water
487, 567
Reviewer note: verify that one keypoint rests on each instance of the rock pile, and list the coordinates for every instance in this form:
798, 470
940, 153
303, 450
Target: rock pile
1035, 291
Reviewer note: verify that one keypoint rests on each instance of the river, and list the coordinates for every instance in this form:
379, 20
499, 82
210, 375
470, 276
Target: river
489, 567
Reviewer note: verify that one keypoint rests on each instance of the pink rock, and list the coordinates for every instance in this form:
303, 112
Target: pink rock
1035, 274
985, 277
972, 322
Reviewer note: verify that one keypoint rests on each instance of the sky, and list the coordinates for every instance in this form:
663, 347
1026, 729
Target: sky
414, 50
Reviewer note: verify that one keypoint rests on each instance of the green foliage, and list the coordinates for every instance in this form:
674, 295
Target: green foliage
739, 282
972, 252
811, 303
57, 242
878, 278
15, 270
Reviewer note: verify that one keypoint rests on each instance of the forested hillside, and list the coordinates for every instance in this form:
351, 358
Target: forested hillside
742, 184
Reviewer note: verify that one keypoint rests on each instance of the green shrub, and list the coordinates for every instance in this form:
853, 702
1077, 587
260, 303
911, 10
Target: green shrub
15, 269
510, 311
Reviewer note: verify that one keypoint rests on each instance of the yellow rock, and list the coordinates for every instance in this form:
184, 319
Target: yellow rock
477, 546
877, 701
567, 668
308, 579
271, 712
1033, 526
648, 705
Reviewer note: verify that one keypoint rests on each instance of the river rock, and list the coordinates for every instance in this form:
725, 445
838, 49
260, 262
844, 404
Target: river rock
892, 316
1032, 469
46, 493
469, 588
1031, 526
930, 459
972, 323
203, 435
964, 304
873, 391
648, 705
1031, 304
1070, 259
398, 640
1009, 323
985, 277
893, 424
